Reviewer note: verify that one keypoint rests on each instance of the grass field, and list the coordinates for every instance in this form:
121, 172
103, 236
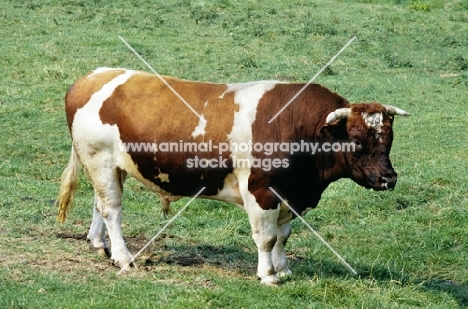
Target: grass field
409, 246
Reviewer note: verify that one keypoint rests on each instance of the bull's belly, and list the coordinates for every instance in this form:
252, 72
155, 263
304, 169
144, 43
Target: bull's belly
159, 184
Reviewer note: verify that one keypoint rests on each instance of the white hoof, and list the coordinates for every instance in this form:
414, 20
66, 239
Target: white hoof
125, 266
270, 280
284, 273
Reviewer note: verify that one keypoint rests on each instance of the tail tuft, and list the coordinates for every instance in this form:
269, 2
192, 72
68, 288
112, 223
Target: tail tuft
68, 186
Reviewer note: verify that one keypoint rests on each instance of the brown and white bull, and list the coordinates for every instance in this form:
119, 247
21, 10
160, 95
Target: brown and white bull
109, 109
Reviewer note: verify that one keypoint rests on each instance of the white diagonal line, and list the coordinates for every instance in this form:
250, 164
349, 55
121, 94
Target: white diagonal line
315, 232
312, 79
162, 79
161, 230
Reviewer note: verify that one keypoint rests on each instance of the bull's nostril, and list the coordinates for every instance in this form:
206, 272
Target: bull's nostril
388, 182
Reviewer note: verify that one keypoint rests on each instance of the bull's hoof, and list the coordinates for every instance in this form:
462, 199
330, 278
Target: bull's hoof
271, 280
103, 252
284, 273
124, 266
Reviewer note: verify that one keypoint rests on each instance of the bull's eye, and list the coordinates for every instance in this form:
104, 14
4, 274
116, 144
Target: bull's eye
357, 144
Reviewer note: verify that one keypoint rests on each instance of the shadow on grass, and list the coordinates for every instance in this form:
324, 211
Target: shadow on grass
458, 290
234, 258
231, 257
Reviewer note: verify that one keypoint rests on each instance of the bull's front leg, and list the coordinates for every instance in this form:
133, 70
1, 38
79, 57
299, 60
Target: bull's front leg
280, 261
264, 228
264, 233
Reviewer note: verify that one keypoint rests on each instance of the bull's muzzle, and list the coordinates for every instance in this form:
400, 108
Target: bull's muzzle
388, 182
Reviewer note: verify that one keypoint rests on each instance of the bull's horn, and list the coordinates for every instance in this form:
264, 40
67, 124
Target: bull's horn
392, 110
340, 113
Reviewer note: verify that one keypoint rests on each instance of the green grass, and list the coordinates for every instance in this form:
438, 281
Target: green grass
409, 246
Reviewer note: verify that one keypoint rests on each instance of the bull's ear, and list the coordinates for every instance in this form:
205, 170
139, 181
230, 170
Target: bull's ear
334, 122
335, 131
328, 131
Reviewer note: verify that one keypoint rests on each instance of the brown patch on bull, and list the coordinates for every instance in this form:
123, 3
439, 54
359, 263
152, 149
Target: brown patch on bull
302, 120
81, 91
146, 111
216, 129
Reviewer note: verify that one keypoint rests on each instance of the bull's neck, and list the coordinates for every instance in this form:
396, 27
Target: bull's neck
331, 167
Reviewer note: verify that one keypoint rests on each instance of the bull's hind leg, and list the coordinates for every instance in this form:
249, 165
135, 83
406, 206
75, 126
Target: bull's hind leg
97, 230
108, 187
97, 233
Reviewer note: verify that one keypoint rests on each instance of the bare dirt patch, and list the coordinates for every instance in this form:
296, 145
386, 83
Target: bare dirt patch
69, 253
70, 235
160, 254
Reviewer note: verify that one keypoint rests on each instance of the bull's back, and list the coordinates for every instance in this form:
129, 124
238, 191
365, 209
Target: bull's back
145, 108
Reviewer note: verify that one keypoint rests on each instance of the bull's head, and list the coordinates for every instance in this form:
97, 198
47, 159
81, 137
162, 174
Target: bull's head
369, 128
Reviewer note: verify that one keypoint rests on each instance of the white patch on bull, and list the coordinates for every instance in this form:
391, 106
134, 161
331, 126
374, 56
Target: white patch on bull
230, 191
244, 86
163, 177
200, 128
374, 121
247, 96
285, 214
103, 69
88, 129
263, 222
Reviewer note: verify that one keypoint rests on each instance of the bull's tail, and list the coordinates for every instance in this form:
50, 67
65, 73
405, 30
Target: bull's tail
68, 186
